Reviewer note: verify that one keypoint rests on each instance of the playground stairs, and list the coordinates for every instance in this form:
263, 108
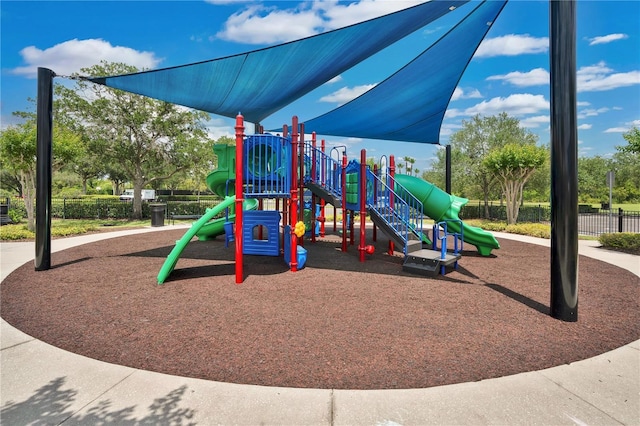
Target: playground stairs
419, 259
324, 193
428, 262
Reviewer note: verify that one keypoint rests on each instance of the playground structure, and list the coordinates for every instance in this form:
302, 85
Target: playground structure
303, 178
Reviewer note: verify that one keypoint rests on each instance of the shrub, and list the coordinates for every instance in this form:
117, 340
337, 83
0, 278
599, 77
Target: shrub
15, 215
622, 241
67, 230
15, 232
539, 230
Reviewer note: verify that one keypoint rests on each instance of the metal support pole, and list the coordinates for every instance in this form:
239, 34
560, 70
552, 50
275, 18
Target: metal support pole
44, 111
564, 161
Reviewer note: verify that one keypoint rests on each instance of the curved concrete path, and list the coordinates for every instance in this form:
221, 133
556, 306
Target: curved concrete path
41, 384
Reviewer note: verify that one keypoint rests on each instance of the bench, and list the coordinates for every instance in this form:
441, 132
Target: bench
173, 217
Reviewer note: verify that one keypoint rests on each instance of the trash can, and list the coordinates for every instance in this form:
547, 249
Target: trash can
604, 206
157, 214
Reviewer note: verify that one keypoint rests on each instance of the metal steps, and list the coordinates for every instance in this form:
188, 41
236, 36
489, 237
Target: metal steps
324, 193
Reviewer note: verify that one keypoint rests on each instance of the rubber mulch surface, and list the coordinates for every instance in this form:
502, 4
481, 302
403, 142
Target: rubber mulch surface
337, 323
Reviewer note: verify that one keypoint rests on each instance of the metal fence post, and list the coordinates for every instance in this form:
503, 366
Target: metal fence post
620, 217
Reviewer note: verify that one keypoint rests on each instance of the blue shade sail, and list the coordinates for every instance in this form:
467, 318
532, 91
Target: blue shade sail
410, 105
260, 82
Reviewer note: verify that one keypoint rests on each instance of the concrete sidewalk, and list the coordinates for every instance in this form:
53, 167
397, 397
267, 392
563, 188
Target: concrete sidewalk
41, 384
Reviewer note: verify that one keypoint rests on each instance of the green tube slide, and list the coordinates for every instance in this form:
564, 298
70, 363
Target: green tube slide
173, 257
440, 206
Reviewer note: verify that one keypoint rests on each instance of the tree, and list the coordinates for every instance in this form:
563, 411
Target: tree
626, 163
149, 140
592, 172
513, 165
633, 140
409, 162
477, 138
18, 145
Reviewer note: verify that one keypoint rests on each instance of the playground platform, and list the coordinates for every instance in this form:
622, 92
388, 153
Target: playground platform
43, 384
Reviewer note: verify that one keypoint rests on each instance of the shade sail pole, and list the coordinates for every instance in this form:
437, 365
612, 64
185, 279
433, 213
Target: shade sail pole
44, 123
564, 161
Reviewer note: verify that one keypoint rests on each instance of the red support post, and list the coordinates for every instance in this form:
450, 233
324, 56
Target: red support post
285, 204
293, 208
375, 200
344, 202
301, 182
239, 197
391, 182
363, 202
323, 172
314, 170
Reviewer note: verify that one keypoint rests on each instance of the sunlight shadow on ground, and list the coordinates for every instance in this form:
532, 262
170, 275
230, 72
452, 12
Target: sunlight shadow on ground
51, 404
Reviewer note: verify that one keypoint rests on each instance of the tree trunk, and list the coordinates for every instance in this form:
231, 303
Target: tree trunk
138, 183
27, 180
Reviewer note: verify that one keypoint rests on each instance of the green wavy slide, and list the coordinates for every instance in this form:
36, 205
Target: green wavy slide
440, 206
173, 257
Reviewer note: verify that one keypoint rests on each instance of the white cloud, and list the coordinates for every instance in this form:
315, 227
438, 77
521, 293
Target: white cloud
217, 127
268, 25
616, 130
584, 103
599, 77
606, 39
335, 79
72, 55
535, 121
346, 94
584, 126
626, 128
535, 77
512, 45
516, 104
591, 112
341, 15
453, 112
447, 129
460, 93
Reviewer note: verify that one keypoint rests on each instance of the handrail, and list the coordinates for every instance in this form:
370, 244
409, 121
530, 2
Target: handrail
457, 236
328, 170
404, 217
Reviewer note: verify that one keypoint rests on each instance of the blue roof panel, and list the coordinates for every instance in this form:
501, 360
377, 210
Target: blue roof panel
260, 82
410, 105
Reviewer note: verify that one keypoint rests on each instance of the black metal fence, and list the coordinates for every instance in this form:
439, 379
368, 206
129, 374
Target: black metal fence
591, 220
105, 208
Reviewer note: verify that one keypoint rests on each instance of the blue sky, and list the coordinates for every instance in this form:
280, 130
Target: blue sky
508, 73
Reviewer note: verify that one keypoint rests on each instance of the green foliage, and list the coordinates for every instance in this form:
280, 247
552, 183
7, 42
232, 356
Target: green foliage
539, 230
622, 241
15, 215
137, 138
476, 139
633, 141
15, 232
526, 213
512, 166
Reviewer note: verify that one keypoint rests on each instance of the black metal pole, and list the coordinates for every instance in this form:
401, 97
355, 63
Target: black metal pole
447, 171
43, 168
564, 160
